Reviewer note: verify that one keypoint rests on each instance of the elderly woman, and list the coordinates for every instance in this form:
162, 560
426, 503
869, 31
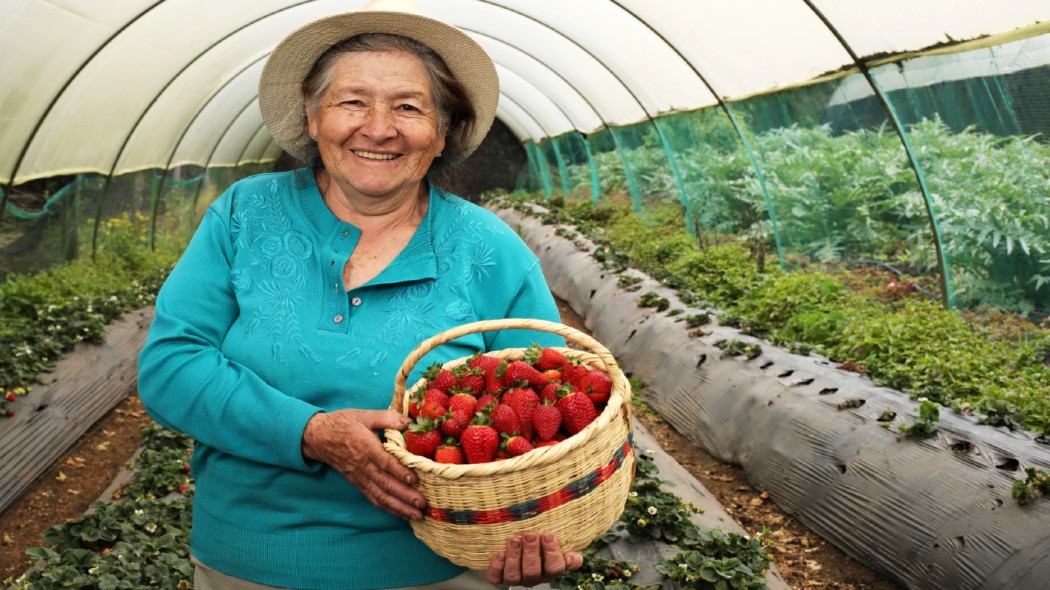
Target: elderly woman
278, 335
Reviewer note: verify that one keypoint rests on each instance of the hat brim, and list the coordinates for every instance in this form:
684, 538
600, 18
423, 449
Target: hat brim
280, 85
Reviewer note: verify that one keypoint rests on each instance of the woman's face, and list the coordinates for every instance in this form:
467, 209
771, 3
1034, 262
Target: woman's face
376, 124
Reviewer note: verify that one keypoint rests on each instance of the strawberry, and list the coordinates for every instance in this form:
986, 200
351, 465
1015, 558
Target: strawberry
572, 371
432, 410
544, 358
480, 441
577, 411
597, 385
462, 405
550, 392
552, 375
437, 396
452, 426
522, 371
183, 488
517, 445
423, 438
449, 452
546, 420
472, 380
440, 378
546, 443
523, 400
484, 401
505, 420
10, 396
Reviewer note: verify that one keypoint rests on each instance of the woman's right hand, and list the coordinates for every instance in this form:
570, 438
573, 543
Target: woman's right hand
346, 440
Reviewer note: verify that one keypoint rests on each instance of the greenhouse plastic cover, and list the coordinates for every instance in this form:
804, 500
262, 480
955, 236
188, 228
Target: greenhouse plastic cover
124, 85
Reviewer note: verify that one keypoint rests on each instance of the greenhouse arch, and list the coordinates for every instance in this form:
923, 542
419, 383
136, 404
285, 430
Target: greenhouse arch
898, 150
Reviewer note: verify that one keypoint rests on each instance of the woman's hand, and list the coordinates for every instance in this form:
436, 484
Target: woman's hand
531, 559
347, 441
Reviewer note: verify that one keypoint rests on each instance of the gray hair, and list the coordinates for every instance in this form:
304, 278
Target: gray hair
456, 115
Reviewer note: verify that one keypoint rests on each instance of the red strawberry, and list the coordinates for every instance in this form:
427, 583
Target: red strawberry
472, 380
546, 420
517, 445
423, 438
522, 371
480, 441
597, 385
440, 378
10, 396
484, 401
437, 396
544, 358
462, 406
550, 392
183, 488
545, 443
572, 371
552, 375
505, 420
432, 409
577, 411
449, 452
523, 400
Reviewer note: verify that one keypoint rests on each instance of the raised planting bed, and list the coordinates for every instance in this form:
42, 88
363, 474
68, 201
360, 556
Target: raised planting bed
826, 443
85, 385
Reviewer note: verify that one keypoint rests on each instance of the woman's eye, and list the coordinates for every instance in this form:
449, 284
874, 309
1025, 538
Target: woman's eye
407, 107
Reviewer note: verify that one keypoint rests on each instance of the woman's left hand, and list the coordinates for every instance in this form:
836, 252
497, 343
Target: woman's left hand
531, 559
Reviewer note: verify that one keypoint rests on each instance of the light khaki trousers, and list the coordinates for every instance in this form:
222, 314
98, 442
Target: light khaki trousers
205, 578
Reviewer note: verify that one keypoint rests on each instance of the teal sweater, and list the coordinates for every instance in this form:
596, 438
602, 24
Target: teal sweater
254, 334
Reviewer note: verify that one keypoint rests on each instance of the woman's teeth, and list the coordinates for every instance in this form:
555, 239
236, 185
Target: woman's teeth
375, 156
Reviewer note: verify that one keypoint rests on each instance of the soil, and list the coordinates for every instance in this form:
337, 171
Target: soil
88, 469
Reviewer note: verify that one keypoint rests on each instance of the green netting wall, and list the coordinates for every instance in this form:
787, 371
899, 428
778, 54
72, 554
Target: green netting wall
937, 167
55, 220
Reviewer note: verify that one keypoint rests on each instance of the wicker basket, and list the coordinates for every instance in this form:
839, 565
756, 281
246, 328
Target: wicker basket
575, 489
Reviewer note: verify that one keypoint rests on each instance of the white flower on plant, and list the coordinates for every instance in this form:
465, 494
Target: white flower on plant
139, 512
652, 510
150, 528
683, 566
93, 571
633, 494
596, 577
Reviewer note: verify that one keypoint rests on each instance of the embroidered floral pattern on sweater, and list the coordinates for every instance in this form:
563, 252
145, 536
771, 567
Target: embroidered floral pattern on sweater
270, 270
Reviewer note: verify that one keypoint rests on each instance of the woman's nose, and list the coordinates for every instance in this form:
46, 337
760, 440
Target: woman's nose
378, 124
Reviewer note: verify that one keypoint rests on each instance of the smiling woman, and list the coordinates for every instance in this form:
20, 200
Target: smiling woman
289, 314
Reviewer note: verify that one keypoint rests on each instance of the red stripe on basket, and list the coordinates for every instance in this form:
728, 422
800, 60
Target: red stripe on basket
532, 508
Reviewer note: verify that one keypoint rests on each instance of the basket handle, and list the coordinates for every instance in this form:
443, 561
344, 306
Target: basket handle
424, 347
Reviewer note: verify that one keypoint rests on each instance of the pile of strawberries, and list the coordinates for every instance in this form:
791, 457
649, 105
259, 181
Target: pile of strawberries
489, 409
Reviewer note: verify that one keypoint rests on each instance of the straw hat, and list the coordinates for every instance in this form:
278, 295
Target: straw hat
280, 86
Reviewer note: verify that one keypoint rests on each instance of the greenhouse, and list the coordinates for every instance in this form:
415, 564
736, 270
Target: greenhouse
811, 239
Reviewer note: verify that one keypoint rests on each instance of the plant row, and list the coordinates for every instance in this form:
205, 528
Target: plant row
867, 319
44, 315
852, 195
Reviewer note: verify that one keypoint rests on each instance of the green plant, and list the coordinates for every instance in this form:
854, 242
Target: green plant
925, 424
720, 560
749, 350
1036, 481
651, 299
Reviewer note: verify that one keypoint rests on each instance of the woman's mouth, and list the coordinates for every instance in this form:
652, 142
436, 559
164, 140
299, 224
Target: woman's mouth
374, 155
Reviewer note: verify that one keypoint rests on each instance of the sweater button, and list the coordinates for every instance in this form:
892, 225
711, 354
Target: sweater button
338, 319
346, 232
355, 301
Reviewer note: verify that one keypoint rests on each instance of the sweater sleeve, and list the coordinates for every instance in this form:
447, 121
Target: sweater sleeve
185, 381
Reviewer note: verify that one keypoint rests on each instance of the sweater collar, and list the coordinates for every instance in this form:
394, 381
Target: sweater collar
415, 263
